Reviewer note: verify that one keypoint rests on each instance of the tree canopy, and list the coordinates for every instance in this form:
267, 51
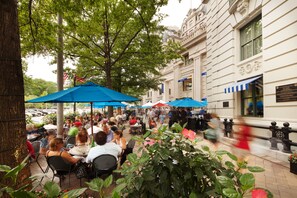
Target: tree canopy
116, 43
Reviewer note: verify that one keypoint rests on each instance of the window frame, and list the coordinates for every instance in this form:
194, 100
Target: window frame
187, 85
254, 38
254, 97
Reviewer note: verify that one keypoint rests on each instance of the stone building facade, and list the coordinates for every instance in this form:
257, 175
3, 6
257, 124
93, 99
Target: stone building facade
240, 55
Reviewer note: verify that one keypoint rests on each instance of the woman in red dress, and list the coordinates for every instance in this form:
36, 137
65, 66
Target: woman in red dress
242, 148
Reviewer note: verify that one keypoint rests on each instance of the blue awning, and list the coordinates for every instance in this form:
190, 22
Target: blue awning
242, 85
182, 79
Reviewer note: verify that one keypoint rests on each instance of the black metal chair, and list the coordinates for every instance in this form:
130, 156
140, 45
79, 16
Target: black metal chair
59, 167
70, 141
36, 147
104, 164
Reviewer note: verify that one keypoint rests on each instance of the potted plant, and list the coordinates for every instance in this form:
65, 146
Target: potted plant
175, 165
293, 162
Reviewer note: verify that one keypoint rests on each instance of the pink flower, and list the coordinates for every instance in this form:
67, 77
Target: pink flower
189, 134
149, 141
259, 193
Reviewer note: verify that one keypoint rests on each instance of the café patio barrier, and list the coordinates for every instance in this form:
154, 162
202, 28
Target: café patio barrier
278, 134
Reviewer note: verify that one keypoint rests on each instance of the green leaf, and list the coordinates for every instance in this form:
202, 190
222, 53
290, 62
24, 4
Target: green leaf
115, 194
231, 193
13, 173
120, 180
242, 164
51, 189
162, 128
138, 183
247, 180
221, 152
4, 168
120, 187
96, 184
132, 157
255, 169
229, 164
24, 194
226, 181
108, 181
164, 153
205, 148
193, 195
148, 133
74, 193
232, 156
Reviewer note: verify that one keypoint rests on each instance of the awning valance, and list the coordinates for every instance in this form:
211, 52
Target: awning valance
184, 79
242, 85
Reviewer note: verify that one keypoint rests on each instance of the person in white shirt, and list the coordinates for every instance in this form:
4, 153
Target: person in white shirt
103, 147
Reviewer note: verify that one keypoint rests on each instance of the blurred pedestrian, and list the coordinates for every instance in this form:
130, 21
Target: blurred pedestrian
241, 148
214, 131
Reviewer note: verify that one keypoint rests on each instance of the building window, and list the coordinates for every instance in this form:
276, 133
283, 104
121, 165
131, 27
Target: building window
169, 91
187, 85
252, 99
188, 61
251, 38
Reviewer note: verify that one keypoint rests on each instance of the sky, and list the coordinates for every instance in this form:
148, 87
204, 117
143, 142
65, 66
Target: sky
39, 67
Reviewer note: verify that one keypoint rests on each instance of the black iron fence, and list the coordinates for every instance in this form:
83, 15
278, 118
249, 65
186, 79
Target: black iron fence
278, 134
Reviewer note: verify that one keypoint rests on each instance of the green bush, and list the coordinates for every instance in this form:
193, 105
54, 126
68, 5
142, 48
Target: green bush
50, 119
176, 167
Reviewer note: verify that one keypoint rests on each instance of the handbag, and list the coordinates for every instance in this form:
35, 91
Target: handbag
81, 170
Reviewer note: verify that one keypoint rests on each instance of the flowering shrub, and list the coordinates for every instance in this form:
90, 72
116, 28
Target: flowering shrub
293, 158
175, 166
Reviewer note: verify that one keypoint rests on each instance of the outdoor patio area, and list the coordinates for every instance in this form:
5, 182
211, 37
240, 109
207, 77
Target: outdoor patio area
276, 178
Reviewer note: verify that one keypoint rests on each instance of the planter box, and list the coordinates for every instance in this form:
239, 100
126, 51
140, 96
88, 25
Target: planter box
293, 168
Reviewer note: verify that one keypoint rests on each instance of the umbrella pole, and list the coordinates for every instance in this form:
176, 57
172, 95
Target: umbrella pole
92, 120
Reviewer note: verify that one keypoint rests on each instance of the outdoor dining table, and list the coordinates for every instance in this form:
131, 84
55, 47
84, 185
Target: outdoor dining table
136, 129
33, 137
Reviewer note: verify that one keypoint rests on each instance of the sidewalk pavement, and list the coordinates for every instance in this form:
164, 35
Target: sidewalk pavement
276, 177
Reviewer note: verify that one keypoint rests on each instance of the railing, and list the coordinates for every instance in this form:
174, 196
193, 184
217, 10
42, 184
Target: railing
278, 134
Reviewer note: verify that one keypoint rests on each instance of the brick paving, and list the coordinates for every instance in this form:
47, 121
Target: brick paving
276, 178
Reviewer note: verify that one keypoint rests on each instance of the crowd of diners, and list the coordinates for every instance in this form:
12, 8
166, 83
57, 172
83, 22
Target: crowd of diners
107, 138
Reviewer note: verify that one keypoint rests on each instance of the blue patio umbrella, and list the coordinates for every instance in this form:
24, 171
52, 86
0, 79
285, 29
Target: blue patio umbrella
188, 102
171, 103
88, 92
107, 104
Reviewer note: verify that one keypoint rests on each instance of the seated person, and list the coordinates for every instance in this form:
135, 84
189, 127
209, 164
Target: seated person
55, 149
30, 149
82, 147
44, 142
103, 148
109, 132
73, 131
152, 123
119, 139
85, 132
133, 120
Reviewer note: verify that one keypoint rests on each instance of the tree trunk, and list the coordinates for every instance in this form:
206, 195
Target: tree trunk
60, 106
13, 147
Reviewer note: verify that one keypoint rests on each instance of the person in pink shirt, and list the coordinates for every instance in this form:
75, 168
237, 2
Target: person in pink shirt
30, 149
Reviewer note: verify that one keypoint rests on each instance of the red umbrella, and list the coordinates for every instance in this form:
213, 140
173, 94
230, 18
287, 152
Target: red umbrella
159, 104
